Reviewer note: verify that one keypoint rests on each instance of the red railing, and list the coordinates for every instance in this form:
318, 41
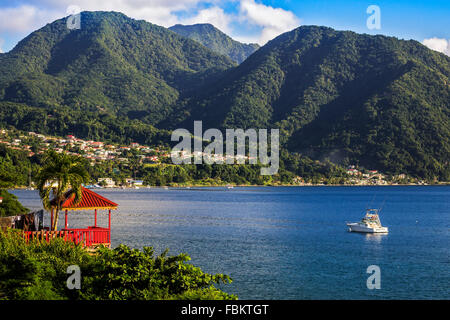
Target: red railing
87, 237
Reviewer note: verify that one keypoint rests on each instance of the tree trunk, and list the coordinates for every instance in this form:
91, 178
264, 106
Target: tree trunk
55, 220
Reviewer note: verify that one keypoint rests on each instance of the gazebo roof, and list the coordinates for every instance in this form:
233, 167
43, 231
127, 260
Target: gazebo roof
89, 201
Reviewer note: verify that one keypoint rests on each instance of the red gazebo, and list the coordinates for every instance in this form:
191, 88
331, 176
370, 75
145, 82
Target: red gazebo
91, 236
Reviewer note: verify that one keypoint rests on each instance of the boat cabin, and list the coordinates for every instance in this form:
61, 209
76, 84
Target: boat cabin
372, 217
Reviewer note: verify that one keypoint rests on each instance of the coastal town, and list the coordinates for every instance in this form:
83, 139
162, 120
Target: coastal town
94, 151
98, 152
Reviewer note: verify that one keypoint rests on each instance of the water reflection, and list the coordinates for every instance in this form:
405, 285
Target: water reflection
374, 237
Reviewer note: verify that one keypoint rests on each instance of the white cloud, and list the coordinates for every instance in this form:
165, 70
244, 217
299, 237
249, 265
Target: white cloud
24, 18
271, 21
437, 44
274, 21
35, 14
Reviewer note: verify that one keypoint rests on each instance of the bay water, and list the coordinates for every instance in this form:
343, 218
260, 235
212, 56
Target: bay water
290, 242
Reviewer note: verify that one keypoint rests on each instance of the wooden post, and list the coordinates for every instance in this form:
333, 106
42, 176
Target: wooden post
95, 217
51, 219
109, 226
65, 221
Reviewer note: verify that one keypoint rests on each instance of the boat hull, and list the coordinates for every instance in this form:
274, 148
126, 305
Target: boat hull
356, 227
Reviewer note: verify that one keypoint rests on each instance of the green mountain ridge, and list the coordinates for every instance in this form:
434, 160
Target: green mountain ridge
129, 67
216, 40
352, 98
113, 79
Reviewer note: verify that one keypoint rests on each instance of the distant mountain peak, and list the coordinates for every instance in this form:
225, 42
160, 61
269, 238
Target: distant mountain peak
216, 40
202, 25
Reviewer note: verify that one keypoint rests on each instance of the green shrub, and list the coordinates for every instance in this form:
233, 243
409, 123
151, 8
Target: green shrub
10, 206
37, 270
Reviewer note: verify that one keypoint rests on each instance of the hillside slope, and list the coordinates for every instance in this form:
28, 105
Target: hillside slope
373, 100
216, 40
115, 63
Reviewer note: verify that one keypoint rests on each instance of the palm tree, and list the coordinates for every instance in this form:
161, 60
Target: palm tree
59, 173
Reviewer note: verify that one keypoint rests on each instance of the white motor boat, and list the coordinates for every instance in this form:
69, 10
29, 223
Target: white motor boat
369, 224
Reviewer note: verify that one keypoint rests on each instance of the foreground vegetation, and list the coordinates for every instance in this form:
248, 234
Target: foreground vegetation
10, 206
38, 271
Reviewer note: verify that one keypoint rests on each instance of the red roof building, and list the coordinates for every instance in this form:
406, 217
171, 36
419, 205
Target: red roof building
90, 200
91, 236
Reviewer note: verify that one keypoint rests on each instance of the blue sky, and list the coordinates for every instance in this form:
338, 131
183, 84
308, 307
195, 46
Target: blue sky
246, 20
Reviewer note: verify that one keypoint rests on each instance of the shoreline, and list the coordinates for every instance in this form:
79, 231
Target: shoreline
252, 185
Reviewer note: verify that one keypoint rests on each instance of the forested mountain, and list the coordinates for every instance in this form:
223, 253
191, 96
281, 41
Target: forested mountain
129, 67
353, 98
216, 40
375, 100
112, 79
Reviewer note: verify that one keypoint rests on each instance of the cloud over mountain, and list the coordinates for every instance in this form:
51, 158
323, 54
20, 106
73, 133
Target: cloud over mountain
18, 18
437, 44
274, 21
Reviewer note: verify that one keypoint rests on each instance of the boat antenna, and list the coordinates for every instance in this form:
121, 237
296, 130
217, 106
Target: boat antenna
370, 204
382, 205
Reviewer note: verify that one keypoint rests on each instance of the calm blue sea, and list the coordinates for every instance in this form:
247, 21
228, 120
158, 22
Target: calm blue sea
292, 242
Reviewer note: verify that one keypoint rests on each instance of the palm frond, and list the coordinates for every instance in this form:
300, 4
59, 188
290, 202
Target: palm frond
59, 173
